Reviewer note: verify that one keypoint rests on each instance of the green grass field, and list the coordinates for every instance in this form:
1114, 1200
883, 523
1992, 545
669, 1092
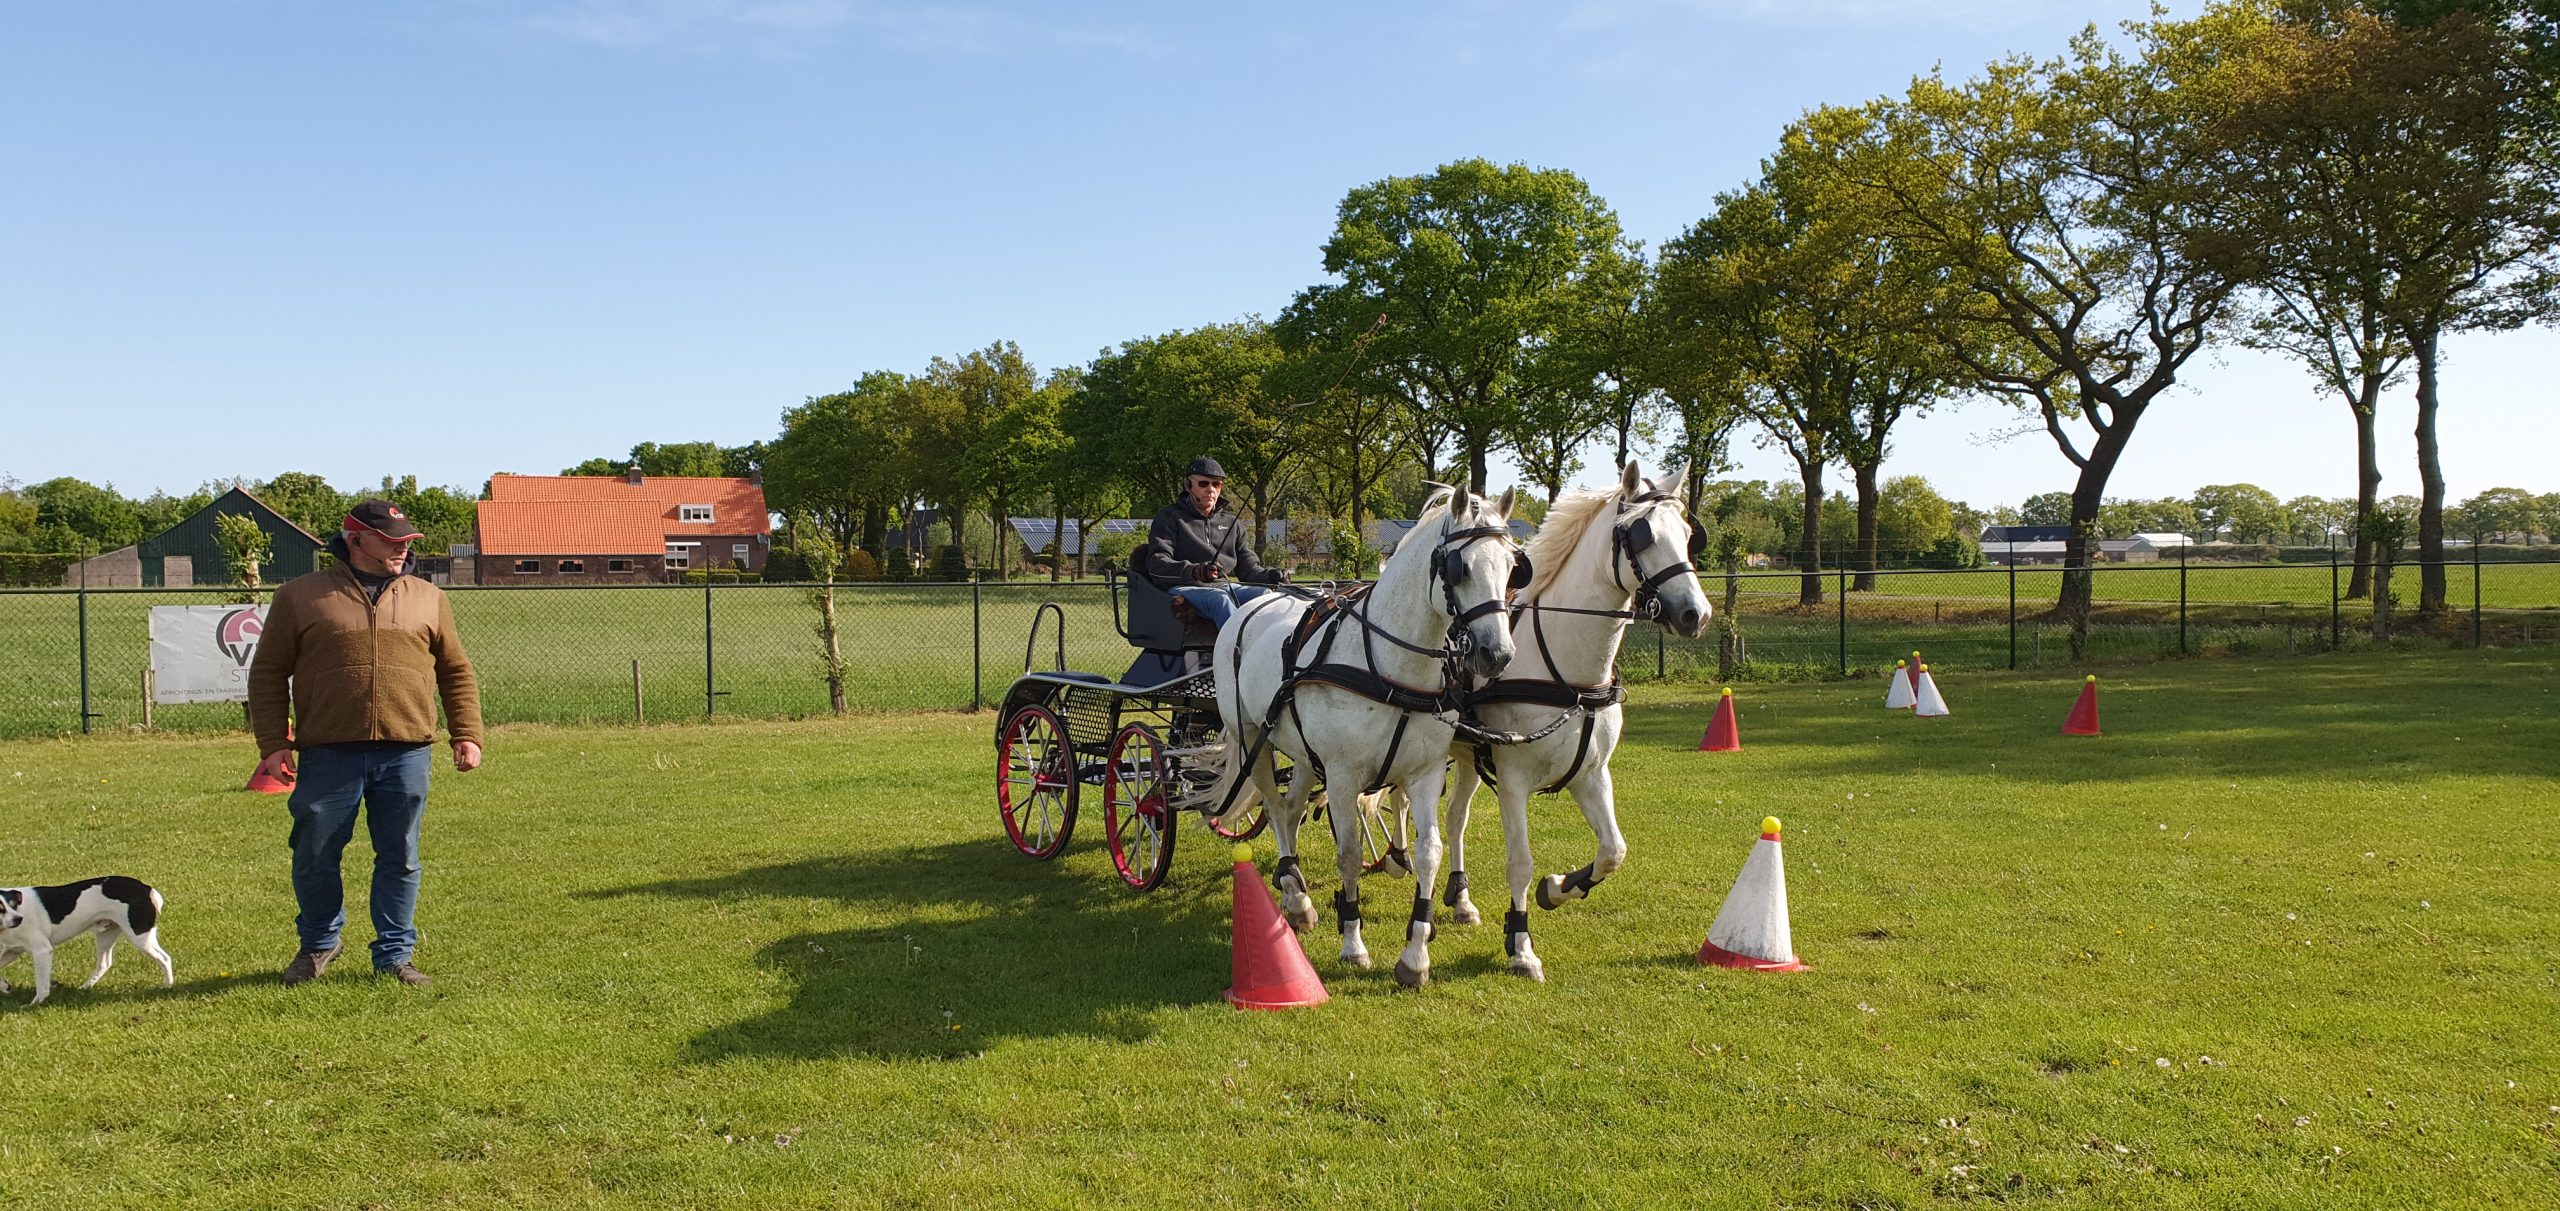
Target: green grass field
2281, 938
566, 655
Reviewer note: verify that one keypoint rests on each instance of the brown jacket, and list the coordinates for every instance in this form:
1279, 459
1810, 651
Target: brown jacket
359, 669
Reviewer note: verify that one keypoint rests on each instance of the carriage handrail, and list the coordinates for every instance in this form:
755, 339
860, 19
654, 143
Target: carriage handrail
1111, 577
1048, 608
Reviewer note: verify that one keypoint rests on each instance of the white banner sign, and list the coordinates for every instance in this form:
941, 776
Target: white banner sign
202, 653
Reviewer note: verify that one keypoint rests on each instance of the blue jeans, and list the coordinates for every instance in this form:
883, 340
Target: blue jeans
1218, 602
391, 781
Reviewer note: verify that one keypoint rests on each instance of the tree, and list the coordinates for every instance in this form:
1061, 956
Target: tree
1910, 517
2499, 513
2239, 512
965, 403
1350, 414
443, 516
2046, 509
71, 512
306, 500
848, 458
1586, 374
823, 560
1472, 262
2066, 198
244, 547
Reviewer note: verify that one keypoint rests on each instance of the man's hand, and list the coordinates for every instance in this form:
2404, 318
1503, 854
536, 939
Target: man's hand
277, 765
466, 755
1210, 572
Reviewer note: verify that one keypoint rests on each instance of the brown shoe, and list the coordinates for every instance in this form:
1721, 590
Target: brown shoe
406, 974
309, 964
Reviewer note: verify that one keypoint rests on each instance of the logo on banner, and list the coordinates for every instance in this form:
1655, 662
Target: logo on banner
237, 635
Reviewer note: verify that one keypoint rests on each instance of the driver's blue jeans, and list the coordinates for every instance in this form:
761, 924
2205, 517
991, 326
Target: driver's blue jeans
1218, 602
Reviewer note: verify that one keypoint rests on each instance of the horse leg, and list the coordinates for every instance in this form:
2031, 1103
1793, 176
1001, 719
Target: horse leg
1462, 793
1512, 794
1413, 967
1595, 795
1287, 813
1346, 902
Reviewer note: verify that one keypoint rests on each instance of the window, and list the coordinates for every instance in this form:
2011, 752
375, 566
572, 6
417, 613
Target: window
693, 512
527, 567
680, 554
617, 565
574, 567
738, 554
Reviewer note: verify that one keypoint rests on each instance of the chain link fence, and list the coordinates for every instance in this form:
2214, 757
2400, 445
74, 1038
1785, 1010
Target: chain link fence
76, 661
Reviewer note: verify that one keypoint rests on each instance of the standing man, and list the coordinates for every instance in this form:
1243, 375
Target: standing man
1193, 548
362, 653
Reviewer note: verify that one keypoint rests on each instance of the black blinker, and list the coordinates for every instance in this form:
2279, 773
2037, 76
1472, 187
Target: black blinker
1521, 571
1639, 535
1697, 543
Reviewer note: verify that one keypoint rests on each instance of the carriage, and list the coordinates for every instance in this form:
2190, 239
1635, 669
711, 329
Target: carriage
1149, 741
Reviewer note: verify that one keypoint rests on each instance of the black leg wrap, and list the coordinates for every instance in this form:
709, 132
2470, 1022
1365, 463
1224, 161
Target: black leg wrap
1515, 930
1287, 868
1457, 889
1422, 917
1345, 907
1574, 886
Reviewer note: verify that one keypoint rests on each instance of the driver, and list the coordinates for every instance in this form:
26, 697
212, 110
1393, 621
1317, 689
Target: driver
1198, 553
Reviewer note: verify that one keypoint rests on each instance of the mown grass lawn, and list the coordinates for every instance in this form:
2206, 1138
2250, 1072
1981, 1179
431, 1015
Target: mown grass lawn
793, 964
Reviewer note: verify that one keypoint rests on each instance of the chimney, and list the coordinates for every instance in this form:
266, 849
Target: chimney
634, 478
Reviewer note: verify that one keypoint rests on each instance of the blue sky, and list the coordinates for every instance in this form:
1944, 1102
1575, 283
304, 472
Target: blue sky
451, 237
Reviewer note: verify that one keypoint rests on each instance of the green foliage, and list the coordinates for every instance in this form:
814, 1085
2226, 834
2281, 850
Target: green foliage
2046, 509
858, 565
1954, 551
950, 563
35, 569
790, 564
79, 510
306, 500
902, 564
244, 544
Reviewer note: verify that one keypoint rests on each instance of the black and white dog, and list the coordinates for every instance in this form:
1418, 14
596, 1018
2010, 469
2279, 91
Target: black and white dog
33, 920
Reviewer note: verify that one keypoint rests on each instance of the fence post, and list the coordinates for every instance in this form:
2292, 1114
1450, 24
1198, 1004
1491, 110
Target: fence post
2335, 636
2013, 614
977, 640
1844, 621
639, 704
2475, 588
85, 713
1657, 654
708, 697
2182, 596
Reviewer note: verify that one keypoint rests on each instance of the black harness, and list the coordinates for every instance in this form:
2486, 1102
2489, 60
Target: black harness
1323, 624
1628, 539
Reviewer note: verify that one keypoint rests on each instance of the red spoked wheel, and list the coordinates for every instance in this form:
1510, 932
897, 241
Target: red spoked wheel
1036, 782
1249, 824
1133, 807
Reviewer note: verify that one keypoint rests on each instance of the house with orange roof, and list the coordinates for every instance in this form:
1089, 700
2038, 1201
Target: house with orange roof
597, 529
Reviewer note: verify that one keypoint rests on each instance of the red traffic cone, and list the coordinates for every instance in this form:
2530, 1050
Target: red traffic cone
1751, 932
278, 783
1271, 972
2084, 713
1724, 733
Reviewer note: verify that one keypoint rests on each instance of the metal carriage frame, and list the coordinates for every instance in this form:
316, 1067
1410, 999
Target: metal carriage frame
1150, 741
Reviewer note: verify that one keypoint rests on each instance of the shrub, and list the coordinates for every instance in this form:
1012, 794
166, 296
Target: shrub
787, 563
860, 566
951, 563
902, 564
39, 569
1954, 551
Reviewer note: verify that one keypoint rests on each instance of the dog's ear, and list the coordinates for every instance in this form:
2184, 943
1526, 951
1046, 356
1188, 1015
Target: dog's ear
11, 896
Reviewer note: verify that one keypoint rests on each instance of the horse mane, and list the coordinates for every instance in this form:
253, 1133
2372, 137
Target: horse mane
1567, 520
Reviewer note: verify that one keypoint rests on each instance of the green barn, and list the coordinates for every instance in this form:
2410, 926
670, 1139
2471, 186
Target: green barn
291, 551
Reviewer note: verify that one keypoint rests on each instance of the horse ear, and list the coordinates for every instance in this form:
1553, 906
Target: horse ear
1631, 480
1680, 481
1510, 497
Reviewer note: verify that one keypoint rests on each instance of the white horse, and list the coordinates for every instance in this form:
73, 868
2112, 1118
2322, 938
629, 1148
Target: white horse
1440, 595
1601, 560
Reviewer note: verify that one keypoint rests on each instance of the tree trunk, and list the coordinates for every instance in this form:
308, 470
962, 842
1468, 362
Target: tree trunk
1057, 539
1867, 502
834, 652
1729, 630
2368, 484
2431, 580
2382, 597
875, 532
1809, 550
2080, 546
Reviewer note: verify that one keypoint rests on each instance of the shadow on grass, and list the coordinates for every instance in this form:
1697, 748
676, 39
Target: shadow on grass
117, 993
978, 946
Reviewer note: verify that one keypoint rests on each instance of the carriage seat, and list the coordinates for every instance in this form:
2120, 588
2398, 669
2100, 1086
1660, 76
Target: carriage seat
1152, 622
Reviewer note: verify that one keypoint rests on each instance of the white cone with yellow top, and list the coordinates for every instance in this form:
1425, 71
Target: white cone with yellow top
1931, 704
1897, 694
1751, 933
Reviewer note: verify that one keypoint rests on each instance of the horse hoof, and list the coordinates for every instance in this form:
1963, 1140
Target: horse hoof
1360, 960
1301, 918
1394, 867
1465, 914
1551, 892
1412, 977
1530, 970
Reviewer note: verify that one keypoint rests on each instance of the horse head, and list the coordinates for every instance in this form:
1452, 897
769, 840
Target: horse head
1658, 546
1479, 567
